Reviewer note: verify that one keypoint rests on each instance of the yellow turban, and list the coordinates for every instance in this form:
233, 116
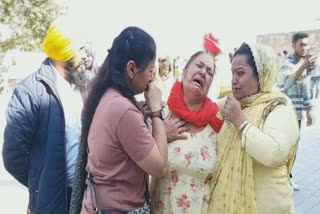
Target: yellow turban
58, 45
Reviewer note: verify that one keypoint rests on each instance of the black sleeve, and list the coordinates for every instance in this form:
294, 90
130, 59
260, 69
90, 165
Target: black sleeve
22, 119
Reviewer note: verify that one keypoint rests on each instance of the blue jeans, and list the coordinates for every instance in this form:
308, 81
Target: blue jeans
314, 81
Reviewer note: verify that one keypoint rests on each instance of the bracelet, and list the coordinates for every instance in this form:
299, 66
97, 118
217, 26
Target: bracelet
156, 114
241, 129
242, 125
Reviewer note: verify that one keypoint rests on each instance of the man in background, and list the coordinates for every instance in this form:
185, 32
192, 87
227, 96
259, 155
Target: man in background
293, 80
42, 135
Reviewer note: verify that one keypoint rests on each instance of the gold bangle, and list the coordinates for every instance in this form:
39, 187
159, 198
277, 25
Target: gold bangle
241, 133
243, 125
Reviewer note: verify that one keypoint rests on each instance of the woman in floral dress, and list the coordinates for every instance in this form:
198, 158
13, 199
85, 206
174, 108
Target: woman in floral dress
191, 162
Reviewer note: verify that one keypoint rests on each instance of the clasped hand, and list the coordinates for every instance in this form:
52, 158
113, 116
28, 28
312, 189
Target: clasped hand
232, 111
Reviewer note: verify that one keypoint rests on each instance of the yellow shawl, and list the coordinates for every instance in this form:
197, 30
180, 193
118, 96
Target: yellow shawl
233, 182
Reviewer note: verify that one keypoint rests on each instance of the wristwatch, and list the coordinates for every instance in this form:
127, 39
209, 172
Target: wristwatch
157, 114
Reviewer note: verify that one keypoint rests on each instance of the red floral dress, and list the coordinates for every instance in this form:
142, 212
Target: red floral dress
185, 188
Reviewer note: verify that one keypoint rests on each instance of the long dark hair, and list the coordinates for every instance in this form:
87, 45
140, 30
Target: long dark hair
132, 44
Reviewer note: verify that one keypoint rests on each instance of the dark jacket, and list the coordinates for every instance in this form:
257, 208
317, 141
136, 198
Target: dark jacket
34, 149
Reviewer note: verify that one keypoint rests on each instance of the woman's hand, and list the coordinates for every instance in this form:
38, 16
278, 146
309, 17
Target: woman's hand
232, 111
175, 129
153, 97
145, 109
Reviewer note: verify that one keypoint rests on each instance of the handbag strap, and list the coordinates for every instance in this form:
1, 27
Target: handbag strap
93, 194
147, 195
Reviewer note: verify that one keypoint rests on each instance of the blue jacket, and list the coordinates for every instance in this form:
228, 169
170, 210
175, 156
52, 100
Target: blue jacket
34, 149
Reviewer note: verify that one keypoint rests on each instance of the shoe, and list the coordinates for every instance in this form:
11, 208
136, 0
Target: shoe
294, 186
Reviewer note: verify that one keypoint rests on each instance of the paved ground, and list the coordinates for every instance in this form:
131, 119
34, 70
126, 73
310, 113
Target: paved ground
306, 171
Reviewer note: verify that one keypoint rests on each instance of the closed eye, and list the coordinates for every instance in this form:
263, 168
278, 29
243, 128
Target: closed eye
199, 65
210, 71
240, 73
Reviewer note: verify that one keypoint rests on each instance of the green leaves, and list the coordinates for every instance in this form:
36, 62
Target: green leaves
3, 69
28, 21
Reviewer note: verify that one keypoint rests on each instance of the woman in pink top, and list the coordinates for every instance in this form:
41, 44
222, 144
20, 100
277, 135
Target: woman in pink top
121, 150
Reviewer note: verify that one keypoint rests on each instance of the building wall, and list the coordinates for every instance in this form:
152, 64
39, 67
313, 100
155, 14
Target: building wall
282, 41
25, 64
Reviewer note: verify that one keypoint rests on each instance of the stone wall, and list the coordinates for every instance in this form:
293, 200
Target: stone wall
282, 41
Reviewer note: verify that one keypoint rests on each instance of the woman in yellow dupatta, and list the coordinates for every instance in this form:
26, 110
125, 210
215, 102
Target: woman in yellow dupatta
257, 145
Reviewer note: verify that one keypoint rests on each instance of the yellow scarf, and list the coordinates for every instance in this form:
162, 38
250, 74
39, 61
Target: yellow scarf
232, 182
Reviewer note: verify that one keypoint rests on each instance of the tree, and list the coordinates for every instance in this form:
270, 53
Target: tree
24, 23
2, 79
28, 21
5, 65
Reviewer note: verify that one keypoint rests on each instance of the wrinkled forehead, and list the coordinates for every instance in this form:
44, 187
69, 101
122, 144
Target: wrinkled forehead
205, 59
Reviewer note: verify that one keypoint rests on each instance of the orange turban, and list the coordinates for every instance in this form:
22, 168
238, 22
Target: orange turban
58, 45
211, 45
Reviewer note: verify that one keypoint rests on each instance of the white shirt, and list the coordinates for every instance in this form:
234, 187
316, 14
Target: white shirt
72, 104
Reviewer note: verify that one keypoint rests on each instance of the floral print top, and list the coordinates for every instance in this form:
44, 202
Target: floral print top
185, 188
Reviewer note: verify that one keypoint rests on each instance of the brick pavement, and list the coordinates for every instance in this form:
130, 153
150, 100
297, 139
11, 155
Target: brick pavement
306, 170
306, 173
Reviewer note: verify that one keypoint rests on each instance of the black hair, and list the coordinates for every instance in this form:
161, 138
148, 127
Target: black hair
245, 50
299, 35
133, 44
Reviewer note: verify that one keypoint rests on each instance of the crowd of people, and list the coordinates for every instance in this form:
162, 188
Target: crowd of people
81, 141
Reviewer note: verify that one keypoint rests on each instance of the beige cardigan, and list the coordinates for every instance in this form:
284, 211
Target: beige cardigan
270, 148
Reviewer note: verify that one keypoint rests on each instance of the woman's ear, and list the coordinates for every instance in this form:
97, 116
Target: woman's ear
131, 69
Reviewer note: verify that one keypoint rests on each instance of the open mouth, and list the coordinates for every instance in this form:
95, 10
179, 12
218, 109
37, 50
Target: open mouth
198, 82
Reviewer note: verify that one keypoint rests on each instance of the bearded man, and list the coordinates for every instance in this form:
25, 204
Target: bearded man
42, 135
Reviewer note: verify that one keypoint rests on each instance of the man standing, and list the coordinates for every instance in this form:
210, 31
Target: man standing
90, 60
91, 71
42, 134
293, 77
